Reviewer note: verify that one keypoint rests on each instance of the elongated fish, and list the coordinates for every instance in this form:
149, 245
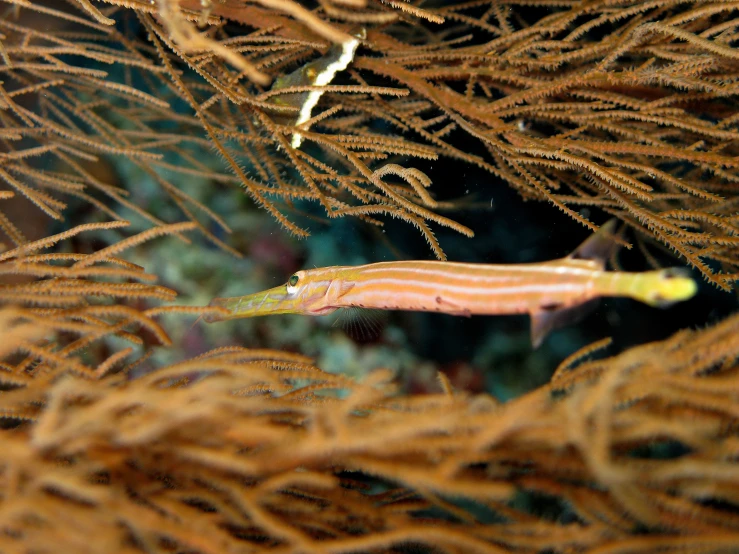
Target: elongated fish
553, 293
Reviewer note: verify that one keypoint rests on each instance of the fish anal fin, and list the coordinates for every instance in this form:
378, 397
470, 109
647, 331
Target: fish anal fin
551, 317
599, 246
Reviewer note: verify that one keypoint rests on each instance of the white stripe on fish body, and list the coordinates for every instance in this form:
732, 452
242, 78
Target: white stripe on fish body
524, 298
482, 272
505, 289
485, 277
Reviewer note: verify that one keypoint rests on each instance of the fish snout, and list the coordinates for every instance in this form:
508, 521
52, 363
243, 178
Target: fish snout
225, 311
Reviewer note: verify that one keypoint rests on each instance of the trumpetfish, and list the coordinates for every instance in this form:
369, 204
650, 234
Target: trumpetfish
553, 293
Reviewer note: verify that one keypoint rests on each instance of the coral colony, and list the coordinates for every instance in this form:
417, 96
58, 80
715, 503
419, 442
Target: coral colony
149, 145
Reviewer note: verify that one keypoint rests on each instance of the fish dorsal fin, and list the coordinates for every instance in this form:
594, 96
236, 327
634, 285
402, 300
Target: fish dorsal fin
600, 245
547, 319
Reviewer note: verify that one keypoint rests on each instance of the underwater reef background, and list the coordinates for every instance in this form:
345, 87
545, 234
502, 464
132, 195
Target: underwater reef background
147, 168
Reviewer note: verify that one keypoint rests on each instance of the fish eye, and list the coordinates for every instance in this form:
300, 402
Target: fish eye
293, 280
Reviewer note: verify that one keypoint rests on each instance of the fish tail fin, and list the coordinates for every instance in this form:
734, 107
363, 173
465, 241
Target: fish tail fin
664, 287
601, 245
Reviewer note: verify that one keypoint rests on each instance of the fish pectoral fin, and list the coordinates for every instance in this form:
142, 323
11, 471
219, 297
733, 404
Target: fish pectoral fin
549, 318
361, 324
599, 246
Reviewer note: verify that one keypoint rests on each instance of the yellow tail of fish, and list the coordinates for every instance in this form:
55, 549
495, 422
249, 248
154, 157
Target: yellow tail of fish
665, 286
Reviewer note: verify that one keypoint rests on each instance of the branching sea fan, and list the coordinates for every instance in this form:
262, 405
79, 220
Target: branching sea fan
626, 109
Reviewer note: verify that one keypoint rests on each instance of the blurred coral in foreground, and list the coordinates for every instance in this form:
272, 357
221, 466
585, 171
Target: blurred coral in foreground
255, 450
